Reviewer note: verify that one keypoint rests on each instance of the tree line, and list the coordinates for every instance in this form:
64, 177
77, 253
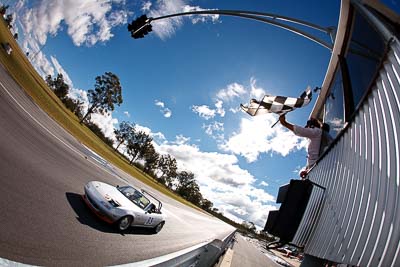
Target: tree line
139, 148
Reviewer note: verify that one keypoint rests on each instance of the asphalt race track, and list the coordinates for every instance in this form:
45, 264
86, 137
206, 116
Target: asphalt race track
43, 219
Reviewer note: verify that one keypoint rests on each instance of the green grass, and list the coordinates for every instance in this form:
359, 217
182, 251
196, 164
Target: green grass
26, 76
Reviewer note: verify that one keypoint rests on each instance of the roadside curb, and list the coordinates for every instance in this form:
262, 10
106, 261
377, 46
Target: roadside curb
227, 259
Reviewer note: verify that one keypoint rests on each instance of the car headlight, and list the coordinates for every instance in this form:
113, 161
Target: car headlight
111, 201
114, 203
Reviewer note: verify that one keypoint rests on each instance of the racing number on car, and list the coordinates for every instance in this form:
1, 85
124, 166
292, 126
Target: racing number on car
149, 221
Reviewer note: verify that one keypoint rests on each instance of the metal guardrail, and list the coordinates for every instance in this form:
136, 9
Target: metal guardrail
205, 254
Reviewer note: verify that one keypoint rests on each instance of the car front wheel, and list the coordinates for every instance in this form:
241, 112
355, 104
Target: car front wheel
124, 223
158, 227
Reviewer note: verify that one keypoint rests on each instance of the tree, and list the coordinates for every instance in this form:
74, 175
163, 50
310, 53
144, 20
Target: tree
249, 226
206, 204
58, 85
3, 9
188, 188
74, 105
9, 19
61, 90
106, 93
194, 196
151, 158
126, 129
137, 145
167, 165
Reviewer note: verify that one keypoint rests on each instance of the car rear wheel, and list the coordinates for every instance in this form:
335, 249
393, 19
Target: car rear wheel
124, 223
158, 227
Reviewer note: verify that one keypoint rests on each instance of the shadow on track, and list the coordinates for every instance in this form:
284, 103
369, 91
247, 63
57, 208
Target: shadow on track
85, 216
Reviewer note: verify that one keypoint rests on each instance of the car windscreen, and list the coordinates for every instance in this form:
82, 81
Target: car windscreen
135, 196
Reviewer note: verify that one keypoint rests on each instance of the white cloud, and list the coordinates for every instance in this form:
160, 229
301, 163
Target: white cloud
235, 91
166, 27
158, 137
232, 91
207, 113
127, 114
204, 111
165, 111
87, 22
119, 17
240, 205
35, 54
263, 183
146, 6
106, 122
80, 95
215, 130
43, 66
220, 110
60, 70
208, 166
181, 140
200, 18
256, 136
145, 129
213, 127
255, 92
159, 103
248, 210
234, 110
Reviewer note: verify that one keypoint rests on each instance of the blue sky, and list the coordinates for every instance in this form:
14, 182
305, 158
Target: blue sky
184, 82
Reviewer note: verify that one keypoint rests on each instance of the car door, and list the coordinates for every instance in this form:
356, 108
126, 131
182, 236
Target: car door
144, 219
150, 219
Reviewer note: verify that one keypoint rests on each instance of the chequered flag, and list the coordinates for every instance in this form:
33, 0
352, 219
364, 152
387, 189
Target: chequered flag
277, 104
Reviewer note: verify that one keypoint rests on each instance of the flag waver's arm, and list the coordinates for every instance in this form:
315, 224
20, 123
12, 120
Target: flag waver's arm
286, 124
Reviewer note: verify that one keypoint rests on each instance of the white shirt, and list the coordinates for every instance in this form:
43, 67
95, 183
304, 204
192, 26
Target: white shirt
314, 134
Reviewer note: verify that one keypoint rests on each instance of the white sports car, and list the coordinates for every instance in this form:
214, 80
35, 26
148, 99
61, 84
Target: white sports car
124, 206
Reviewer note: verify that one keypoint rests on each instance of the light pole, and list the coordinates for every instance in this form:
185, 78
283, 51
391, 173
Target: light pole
142, 25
